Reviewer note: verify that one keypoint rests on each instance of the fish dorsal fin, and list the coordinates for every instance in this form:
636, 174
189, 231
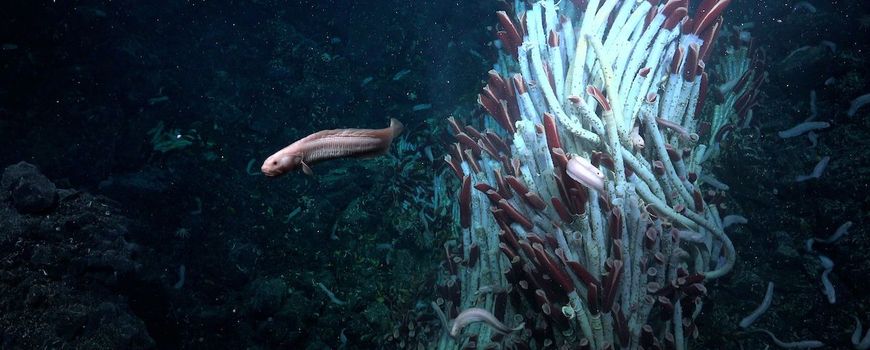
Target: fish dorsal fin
306, 169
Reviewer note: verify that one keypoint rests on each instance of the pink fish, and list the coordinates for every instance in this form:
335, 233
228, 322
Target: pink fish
331, 144
581, 170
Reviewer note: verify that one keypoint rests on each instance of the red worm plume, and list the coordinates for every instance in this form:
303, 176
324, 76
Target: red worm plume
551, 132
552, 269
599, 96
676, 61
706, 19
515, 215
465, 203
675, 18
691, 67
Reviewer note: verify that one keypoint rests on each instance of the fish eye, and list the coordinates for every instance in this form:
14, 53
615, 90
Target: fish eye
274, 162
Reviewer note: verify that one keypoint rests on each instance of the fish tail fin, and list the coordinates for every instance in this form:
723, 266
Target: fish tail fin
396, 126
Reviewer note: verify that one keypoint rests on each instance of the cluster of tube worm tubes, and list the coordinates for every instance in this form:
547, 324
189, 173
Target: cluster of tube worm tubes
587, 214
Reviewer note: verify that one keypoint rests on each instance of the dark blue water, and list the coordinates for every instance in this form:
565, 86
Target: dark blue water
134, 213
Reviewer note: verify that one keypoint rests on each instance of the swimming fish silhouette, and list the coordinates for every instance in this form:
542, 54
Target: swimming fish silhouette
331, 144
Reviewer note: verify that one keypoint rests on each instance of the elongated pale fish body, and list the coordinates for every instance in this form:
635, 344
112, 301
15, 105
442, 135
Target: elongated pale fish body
331, 144
472, 315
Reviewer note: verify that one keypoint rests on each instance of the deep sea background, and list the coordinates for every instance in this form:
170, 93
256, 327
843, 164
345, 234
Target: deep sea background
151, 118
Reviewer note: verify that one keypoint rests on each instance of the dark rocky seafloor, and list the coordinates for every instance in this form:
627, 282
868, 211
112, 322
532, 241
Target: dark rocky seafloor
65, 257
94, 234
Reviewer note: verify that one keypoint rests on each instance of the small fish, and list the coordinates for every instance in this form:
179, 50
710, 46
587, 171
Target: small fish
331, 144
472, 315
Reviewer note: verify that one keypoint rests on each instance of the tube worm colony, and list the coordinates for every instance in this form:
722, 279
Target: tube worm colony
587, 212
